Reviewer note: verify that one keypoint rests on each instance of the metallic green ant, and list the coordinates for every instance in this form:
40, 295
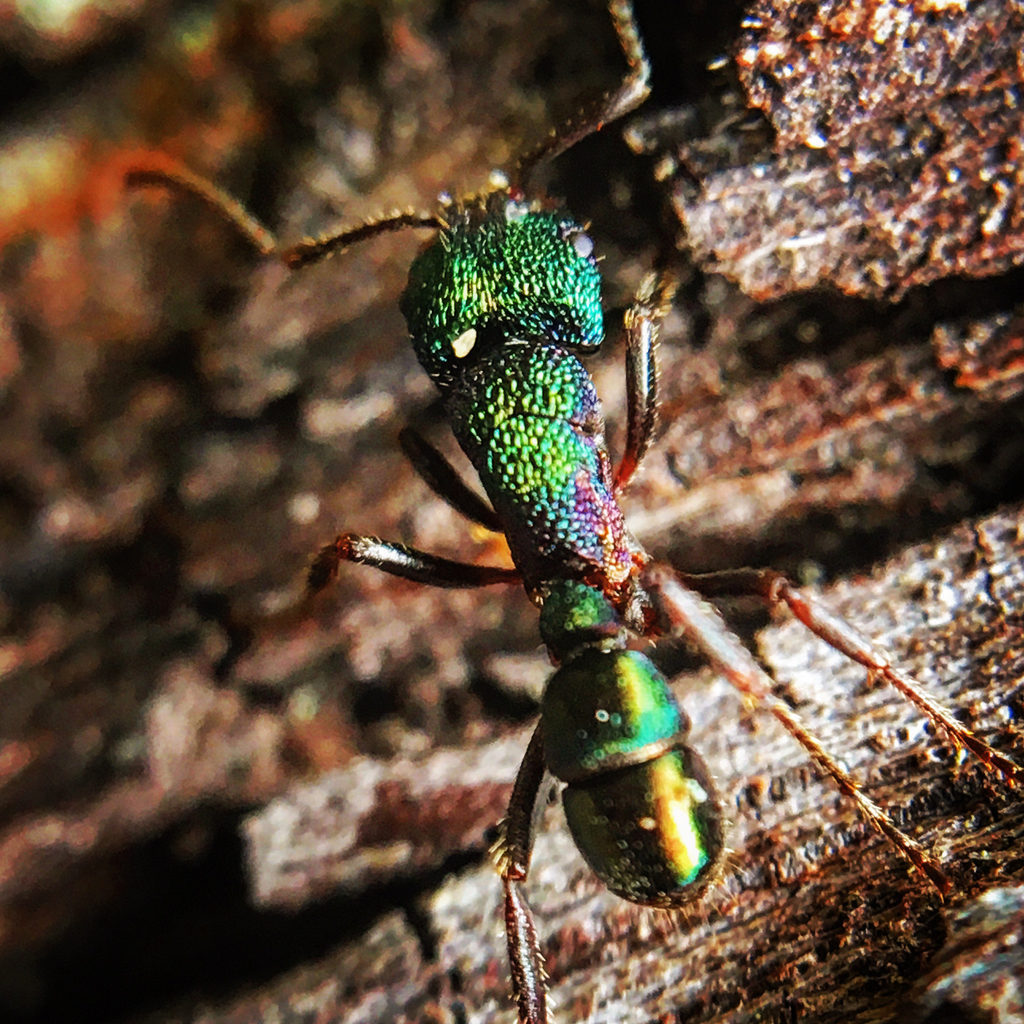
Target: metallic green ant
500, 306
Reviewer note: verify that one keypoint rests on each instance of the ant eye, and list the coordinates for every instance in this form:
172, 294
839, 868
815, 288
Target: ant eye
579, 240
463, 344
515, 210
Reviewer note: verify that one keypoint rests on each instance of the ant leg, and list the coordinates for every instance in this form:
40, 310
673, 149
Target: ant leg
399, 560
691, 616
642, 321
512, 853
443, 479
632, 91
163, 171
774, 589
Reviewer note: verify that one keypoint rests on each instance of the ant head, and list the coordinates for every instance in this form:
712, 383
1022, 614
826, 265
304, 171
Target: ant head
501, 268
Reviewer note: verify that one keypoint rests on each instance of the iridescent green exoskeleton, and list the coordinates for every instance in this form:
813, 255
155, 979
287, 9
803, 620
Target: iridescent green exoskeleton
501, 306
639, 802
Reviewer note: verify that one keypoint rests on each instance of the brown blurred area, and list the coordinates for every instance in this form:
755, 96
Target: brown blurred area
210, 811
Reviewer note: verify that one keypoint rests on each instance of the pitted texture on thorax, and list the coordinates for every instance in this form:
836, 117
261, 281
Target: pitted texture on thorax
529, 419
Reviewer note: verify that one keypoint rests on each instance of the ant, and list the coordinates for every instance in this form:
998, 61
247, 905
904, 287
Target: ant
500, 306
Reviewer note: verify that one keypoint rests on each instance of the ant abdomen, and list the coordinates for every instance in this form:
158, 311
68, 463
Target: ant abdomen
651, 832
639, 803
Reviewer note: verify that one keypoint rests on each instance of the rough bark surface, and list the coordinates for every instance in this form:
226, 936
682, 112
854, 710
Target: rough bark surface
895, 151
210, 812
814, 916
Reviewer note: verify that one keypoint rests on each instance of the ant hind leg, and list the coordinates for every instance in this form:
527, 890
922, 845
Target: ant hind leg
774, 589
693, 617
512, 853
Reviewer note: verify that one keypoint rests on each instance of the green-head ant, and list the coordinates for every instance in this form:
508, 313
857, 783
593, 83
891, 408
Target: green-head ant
500, 306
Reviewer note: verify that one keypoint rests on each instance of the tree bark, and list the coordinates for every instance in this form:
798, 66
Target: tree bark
183, 424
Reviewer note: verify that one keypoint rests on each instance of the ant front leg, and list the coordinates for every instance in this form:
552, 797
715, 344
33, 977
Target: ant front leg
691, 616
512, 852
774, 590
399, 560
443, 479
642, 321
406, 562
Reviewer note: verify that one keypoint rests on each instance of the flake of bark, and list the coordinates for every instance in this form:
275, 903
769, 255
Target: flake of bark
896, 158
814, 915
374, 821
978, 976
986, 355
784, 448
